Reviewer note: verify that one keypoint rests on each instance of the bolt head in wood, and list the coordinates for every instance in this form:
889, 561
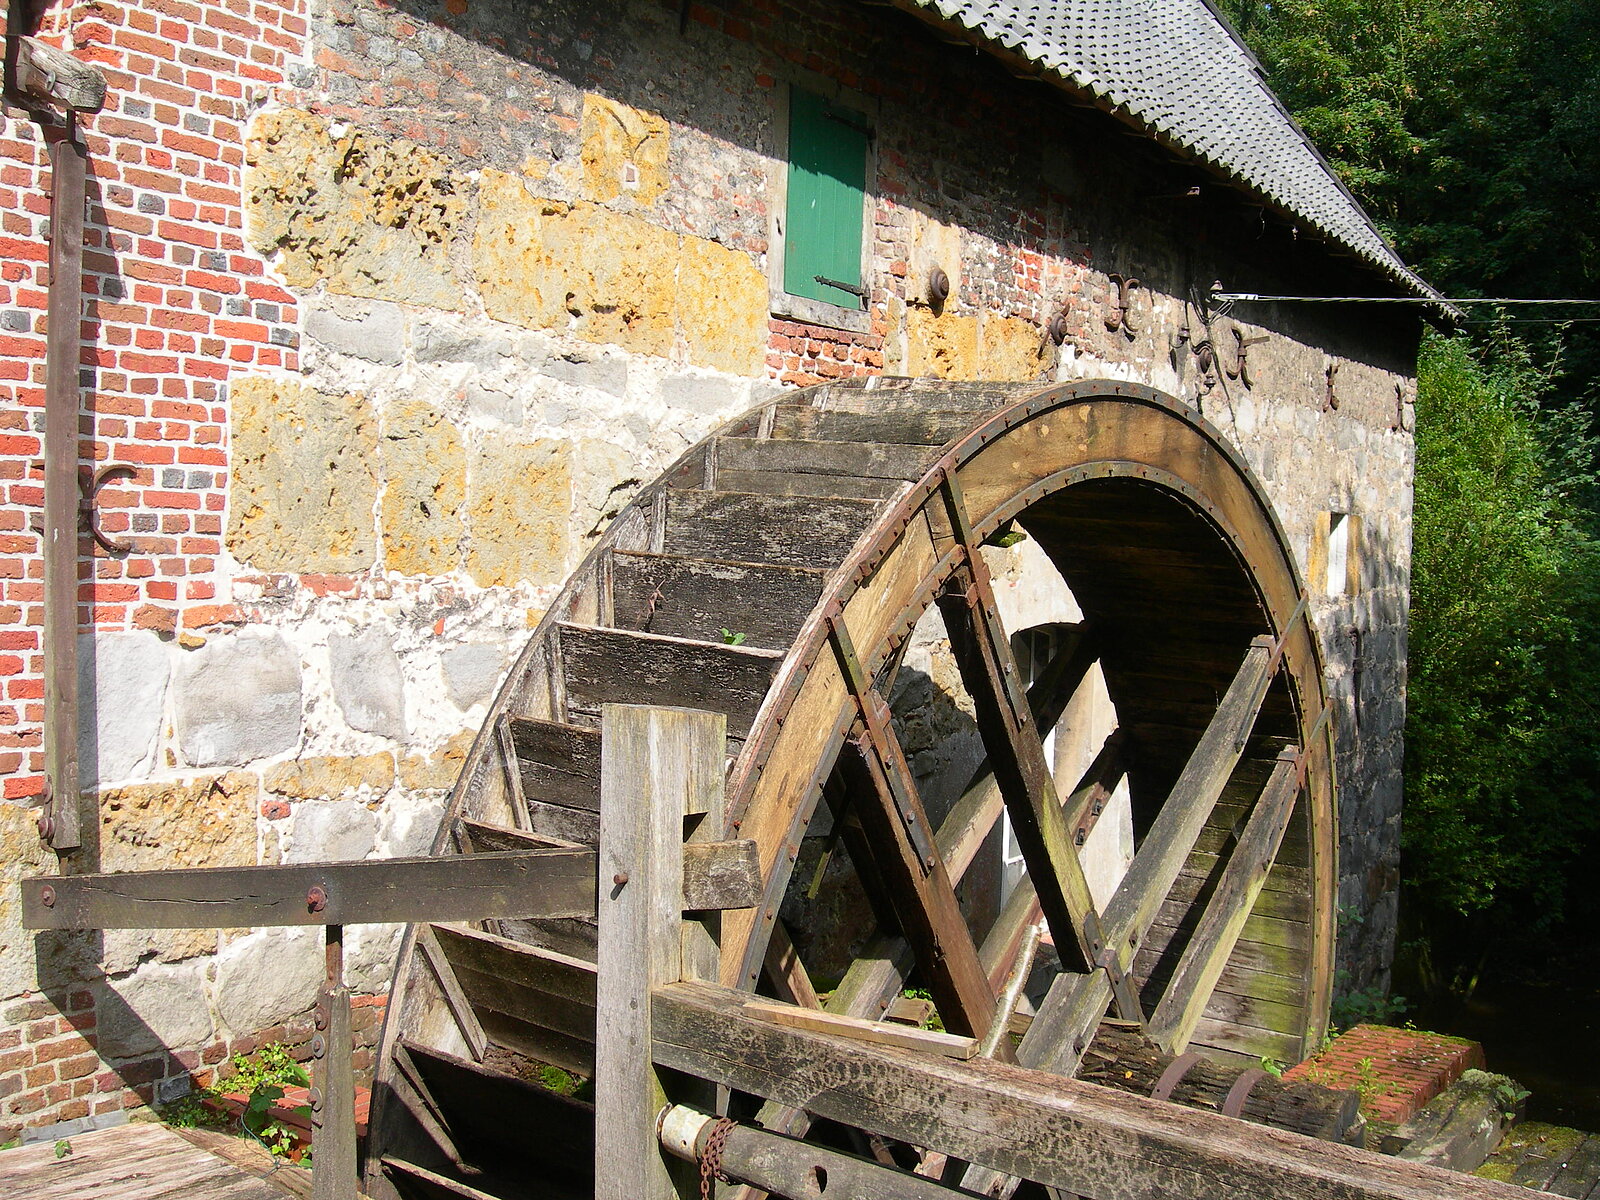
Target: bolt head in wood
316, 899
47, 896
620, 879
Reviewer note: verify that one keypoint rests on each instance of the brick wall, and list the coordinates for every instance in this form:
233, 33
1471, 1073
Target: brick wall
175, 304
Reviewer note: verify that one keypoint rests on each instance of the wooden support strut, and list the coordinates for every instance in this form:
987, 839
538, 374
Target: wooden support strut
68, 175
333, 1099
1174, 1020
1075, 1004
880, 971
550, 883
1060, 1132
989, 670
906, 856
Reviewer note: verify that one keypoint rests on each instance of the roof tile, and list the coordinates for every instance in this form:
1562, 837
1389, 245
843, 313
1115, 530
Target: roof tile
1176, 68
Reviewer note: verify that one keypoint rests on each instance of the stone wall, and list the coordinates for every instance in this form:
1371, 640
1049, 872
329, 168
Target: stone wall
392, 304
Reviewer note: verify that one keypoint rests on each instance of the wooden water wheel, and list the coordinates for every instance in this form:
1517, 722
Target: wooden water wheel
821, 527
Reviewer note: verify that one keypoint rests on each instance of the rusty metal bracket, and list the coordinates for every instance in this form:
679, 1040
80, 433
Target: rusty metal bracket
1127, 996
89, 484
1233, 1106
1241, 368
1173, 1075
1303, 759
1331, 402
1120, 316
1400, 402
1283, 638
853, 289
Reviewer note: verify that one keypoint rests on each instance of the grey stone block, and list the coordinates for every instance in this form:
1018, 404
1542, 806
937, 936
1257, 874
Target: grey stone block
406, 825
367, 682
603, 373
379, 337
701, 394
238, 699
471, 671
122, 685
162, 1004
443, 342
332, 831
267, 977
493, 405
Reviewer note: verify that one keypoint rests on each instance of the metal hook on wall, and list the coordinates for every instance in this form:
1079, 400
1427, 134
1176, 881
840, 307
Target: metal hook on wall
90, 483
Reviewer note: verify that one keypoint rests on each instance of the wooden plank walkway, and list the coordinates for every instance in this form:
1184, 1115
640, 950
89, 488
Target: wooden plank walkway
141, 1161
1548, 1158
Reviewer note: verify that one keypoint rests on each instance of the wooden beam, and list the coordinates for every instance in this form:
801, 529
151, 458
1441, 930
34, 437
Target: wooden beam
1173, 834
658, 766
924, 900
881, 1033
1172, 1024
1063, 1133
878, 974
546, 883
1004, 938
971, 818
787, 972
50, 74
333, 1107
464, 887
983, 654
1075, 1003
62, 497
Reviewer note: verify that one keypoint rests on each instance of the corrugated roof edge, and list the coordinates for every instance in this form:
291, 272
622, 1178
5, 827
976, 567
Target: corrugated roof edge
1389, 264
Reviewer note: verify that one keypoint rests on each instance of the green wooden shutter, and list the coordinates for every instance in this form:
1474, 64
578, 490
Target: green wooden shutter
826, 198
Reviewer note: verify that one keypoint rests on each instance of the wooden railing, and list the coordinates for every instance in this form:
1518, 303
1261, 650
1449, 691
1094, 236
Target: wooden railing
662, 772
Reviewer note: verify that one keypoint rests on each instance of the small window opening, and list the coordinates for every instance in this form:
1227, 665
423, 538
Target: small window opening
1338, 554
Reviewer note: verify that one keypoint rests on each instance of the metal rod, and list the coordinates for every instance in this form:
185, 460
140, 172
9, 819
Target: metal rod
1013, 993
68, 169
1255, 296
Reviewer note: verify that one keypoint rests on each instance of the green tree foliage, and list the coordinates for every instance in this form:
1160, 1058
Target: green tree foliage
1466, 129
1502, 765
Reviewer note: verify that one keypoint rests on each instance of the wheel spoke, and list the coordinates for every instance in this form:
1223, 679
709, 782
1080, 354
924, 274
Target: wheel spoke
1011, 736
1173, 1022
920, 890
786, 970
1075, 1004
1083, 808
1172, 835
973, 816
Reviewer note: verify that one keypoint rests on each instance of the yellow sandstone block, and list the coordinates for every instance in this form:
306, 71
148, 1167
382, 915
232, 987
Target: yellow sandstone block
304, 479
624, 153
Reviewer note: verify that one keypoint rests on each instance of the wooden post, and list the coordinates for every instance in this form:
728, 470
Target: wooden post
333, 1103
657, 766
68, 170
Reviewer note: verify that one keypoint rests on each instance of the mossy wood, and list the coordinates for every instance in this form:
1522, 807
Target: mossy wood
821, 527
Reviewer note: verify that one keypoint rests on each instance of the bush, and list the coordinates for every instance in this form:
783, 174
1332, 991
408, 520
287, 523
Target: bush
1501, 763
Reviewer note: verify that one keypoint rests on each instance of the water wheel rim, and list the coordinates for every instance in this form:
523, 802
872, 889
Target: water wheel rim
1188, 458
